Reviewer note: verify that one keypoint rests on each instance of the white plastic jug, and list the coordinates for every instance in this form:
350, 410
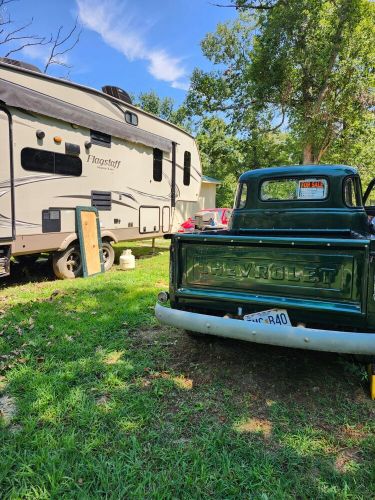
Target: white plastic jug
127, 260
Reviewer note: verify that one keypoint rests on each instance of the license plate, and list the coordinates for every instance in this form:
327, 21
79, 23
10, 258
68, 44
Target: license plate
278, 317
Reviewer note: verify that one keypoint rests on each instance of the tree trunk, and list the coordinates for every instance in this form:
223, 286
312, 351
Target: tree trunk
308, 155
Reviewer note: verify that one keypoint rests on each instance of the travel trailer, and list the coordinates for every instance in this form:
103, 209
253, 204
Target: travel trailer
63, 145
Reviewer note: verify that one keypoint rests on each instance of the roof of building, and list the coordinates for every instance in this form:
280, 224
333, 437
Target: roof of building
210, 180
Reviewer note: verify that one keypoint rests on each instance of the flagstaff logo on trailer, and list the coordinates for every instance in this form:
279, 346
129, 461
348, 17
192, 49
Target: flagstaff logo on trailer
101, 162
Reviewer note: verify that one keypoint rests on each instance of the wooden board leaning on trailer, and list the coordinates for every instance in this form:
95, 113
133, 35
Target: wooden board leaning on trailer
90, 240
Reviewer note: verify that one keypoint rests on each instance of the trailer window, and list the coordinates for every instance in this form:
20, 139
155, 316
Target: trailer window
294, 189
158, 165
187, 168
38, 160
352, 195
100, 139
131, 118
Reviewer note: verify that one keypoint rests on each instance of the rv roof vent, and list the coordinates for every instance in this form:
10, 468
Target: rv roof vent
20, 64
118, 93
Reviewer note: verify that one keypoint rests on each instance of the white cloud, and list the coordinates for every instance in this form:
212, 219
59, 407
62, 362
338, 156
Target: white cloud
182, 85
42, 53
164, 67
108, 19
37, 52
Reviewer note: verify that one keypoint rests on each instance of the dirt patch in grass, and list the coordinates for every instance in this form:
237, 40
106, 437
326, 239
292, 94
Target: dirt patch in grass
257, 425
3, 383
347, 459
145, 335
102, 400
354, 432
8, 408
180, 381
113, 357
163, 285
265, 380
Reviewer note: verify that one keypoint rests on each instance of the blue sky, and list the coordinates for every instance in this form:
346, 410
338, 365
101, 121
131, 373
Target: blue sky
138, 45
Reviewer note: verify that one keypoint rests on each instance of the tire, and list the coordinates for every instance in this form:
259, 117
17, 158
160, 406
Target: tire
108, 255
68, 263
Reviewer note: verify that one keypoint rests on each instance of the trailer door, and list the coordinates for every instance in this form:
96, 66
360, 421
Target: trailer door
6, 178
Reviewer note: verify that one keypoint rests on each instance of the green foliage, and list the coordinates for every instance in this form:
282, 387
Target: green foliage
226, 155
221, 157
309, 61
164, 108
356, 146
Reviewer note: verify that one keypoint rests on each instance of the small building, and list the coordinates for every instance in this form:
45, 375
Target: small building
207, 195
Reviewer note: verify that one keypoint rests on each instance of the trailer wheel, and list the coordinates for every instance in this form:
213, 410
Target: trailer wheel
108, 255
68, 263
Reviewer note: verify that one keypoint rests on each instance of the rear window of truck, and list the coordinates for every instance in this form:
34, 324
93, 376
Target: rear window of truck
352, 192
241, 195
292, 189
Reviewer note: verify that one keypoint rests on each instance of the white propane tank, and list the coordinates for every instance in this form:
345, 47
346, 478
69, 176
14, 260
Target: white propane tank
127, 260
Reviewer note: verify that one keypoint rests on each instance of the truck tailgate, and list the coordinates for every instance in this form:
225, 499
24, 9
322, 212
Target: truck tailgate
327, 275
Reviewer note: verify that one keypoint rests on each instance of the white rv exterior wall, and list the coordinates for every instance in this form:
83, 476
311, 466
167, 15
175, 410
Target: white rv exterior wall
125, 169
207, 196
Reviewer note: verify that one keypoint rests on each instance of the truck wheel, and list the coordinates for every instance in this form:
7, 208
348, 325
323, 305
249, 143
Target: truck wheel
108, 255
68, 263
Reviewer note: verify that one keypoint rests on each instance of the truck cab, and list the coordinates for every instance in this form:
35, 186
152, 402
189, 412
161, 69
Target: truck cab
300, 243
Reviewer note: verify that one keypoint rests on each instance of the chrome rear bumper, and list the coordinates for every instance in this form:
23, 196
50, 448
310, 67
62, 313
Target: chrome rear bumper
287, 336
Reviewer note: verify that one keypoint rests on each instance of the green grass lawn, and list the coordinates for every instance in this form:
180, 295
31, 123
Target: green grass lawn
98, 401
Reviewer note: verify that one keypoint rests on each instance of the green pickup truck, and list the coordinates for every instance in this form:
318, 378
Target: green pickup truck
295, 268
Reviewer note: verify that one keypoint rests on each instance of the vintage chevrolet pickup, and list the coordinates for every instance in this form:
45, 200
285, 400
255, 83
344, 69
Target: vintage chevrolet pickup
296, 267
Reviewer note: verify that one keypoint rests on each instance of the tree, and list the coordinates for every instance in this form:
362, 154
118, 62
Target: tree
252, 4
164, 108
226, 156
356, 146
14, 38
222, 157
305, 64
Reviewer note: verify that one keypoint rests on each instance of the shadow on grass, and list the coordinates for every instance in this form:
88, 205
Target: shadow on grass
111, 405
21, 273
42, 271
141, 249
307, 414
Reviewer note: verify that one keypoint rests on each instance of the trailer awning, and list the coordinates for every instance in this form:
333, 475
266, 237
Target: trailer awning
28, 99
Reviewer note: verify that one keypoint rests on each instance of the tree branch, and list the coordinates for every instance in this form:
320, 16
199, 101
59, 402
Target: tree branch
15, 35
27, 44
238, 4
3, 3
332, 59
57, 42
